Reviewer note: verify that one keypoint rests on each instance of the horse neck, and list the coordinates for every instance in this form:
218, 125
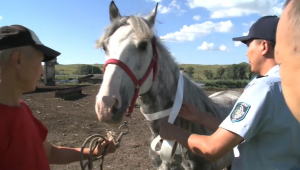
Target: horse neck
162, 93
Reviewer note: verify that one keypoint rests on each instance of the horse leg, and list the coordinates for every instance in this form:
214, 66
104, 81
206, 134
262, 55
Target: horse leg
155, 159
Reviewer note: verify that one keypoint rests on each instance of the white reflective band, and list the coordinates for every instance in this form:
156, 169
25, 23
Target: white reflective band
157, 115
236, 152
169, 147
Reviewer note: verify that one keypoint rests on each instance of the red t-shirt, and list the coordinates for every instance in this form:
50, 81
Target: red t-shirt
21, 139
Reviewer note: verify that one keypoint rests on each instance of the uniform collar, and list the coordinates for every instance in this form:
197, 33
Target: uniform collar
273, 70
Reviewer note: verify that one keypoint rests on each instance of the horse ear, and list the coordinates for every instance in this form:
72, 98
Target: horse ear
113, 11
151, 17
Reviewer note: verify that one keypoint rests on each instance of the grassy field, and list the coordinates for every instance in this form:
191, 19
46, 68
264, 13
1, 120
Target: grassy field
67, 71
70, 69
199, 70
198, 75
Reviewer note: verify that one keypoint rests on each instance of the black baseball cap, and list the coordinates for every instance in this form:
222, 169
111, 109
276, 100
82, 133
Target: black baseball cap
18, 35
264, 28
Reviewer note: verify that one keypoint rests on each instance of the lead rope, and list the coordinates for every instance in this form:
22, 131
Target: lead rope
96, 140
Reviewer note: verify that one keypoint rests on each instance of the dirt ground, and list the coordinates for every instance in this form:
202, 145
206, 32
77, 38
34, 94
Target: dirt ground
70, 122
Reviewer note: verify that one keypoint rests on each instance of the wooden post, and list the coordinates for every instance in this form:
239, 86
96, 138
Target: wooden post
49, 72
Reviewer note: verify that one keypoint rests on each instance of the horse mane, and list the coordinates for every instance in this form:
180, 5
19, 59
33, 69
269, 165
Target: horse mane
196, 93
139, 25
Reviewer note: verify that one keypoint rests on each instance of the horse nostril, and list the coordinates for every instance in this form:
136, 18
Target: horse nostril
112, 102
117, 102
113, 109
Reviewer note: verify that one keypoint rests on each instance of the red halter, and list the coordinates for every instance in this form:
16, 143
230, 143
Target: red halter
137, 83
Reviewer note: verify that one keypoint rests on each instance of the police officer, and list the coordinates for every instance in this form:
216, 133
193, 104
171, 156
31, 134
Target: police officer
260, 128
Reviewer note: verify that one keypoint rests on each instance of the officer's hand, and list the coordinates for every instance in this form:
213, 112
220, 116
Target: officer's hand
190, 112
167, 131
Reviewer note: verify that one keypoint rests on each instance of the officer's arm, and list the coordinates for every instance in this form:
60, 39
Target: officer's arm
209, 121
210, 147
246, 118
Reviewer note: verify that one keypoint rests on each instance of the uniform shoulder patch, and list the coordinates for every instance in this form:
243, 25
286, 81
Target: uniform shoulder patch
239, 112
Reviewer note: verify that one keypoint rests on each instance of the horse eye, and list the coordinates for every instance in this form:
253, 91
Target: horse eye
104, 44
142, 45
104, 47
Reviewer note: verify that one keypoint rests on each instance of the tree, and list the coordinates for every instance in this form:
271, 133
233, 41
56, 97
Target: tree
250, 73
231, 72
208, 74
190, 71
242, 70
88, 69
220, 72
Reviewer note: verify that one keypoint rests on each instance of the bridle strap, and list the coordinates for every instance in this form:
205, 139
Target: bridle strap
124, 67
138, 83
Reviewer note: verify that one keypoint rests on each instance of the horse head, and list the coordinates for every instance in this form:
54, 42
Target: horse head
131, 63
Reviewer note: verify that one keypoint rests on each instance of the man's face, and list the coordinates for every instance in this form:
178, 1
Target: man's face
289, 62
254, 56
30, 69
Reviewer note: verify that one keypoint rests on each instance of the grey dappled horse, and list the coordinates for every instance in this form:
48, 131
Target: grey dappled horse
131, 50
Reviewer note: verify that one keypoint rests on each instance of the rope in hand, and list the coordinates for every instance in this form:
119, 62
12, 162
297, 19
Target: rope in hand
96, 140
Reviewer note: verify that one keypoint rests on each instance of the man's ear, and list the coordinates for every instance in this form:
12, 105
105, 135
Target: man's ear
16, 58
265, 47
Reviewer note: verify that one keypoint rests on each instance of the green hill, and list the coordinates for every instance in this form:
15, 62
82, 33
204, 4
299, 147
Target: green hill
198, 75
72, 68
198, 69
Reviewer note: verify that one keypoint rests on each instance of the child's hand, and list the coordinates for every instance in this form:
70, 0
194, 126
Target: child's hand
111, 148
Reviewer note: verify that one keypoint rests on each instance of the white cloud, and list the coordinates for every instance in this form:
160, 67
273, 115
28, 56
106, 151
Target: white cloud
206, 46
211, 47
189, 33
177, 7
245, 33
238, 8
172, 7
163, 9
223, 48
1, 17
196, 17
237, 43
248, 25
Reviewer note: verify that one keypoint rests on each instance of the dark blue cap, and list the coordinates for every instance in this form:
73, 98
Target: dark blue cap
264, 28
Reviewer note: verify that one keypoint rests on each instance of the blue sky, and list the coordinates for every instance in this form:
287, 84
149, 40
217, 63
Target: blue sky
195, 31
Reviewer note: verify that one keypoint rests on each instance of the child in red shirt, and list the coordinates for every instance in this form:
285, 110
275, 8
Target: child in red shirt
23, 143
22, 137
